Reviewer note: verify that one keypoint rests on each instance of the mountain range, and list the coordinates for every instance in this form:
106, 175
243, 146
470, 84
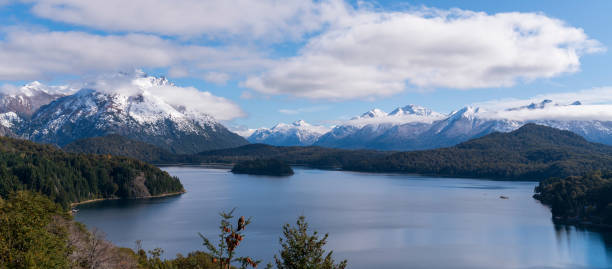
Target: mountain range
417, 128
299, 133
59, 115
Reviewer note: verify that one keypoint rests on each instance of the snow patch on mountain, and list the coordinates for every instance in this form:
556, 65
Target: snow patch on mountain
9, 119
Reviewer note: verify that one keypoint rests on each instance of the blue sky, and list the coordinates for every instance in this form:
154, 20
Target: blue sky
320, 61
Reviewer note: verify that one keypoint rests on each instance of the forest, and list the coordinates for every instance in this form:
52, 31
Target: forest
270, 167
579, 200
68, 177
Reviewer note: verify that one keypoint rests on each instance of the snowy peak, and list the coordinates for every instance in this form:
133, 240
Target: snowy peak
27, 99
541, 105
298, 133
468, 112
300, 123
374, 113
413, 110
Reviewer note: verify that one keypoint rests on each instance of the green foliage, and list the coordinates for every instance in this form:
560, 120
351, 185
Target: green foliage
229, 239
117, 145
271, 167
68, 177
29, 234
300, 250
579, 199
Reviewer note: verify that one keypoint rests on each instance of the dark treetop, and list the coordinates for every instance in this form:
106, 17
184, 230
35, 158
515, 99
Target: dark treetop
270, 167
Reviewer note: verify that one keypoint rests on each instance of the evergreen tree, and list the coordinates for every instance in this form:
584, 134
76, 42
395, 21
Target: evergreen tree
301, 250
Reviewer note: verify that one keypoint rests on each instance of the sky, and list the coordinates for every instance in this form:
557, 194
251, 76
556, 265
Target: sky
256, 63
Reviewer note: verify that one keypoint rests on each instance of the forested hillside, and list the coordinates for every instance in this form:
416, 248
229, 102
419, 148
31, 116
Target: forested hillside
121, 146
69, 177
312, 156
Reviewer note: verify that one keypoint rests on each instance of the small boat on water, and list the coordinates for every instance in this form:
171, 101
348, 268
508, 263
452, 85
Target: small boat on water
74, 210
504, 197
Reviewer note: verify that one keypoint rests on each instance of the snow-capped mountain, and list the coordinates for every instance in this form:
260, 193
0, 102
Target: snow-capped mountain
24, 101
134, 111
375, 128
424, 129
299, 133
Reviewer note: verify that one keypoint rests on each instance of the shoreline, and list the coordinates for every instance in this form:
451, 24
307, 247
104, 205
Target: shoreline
581, 224
132, 198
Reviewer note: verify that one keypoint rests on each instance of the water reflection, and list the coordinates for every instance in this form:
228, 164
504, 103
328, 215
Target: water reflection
591, 245
374, 220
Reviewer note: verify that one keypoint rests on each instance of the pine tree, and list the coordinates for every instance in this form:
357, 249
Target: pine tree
301, 250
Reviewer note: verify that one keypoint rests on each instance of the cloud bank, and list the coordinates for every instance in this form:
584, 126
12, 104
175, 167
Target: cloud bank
375, 54
583, 105
28, 54
262, 19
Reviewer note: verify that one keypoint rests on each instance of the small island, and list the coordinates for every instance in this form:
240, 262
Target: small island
268, 167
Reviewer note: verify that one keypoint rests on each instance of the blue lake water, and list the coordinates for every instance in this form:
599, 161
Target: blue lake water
373, 220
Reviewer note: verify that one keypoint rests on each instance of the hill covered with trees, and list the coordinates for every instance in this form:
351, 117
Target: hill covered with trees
121, 146
532, 152
579, 200
69, 177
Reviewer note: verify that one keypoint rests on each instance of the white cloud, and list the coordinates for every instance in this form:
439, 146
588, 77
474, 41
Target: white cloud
269, 19
594, 96
218, 78
372, 54
243, 131
35, 55
558, 113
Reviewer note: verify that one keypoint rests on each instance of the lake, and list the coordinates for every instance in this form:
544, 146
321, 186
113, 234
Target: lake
373, 220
